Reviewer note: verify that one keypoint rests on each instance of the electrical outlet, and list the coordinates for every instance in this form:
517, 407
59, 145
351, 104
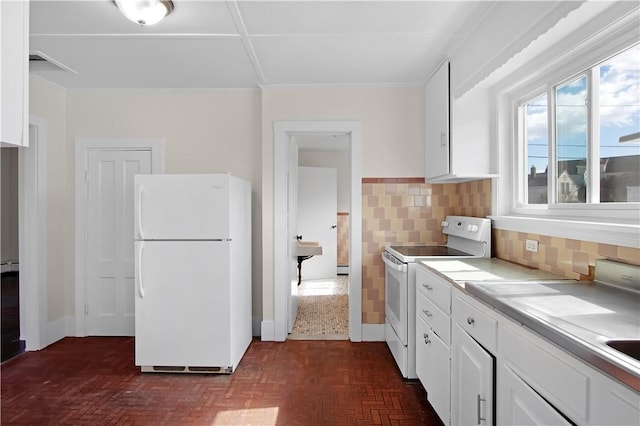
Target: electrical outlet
531, 245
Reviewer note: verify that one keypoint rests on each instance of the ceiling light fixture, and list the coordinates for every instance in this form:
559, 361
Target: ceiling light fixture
145, 12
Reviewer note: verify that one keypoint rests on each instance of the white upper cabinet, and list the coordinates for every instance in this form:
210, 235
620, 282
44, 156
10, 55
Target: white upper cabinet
14, 73
437, 130
457, 147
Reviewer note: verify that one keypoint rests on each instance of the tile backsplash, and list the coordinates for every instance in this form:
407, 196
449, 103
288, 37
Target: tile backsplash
343, 238
566, 257
408, 211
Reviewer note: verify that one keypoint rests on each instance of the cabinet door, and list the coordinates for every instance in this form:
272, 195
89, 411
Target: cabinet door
521, 405
437, 130
433, 368
14, 73
472, 381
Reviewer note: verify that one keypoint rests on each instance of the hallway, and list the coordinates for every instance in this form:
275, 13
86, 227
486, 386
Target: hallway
323, 310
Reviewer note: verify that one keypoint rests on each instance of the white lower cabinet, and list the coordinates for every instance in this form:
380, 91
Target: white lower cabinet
521, 405
487, 369
613, 403
433, 368
472, 381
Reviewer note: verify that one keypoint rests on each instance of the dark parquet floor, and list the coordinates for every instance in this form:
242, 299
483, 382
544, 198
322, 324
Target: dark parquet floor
93, 381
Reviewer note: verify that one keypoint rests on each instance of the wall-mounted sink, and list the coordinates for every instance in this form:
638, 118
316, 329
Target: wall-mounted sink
309, 248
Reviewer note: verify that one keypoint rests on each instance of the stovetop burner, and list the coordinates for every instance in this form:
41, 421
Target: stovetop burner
424, 251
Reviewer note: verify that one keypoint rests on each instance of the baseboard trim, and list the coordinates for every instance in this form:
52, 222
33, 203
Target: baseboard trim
268, 331
373, 332
56, 330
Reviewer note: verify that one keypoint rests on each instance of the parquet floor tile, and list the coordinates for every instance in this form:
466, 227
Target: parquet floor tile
93, 381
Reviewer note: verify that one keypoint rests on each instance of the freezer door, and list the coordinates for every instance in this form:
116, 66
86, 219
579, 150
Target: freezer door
181, 207
182, 304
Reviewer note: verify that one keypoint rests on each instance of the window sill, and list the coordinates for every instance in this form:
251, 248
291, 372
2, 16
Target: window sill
619, 234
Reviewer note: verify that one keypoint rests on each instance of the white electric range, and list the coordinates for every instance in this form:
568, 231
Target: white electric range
467, 237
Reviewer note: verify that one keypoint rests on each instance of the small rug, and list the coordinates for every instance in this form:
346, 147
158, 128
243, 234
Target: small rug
323, 310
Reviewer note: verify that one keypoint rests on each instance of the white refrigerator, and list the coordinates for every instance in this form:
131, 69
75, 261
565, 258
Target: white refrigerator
193, 272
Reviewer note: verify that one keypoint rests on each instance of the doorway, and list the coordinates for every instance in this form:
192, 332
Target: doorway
283, 246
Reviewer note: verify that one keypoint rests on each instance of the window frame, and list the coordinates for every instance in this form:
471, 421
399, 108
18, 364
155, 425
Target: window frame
611, 223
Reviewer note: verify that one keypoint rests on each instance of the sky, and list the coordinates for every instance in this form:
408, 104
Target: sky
619, 113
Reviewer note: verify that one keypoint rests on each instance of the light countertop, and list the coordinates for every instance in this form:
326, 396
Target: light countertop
483, 269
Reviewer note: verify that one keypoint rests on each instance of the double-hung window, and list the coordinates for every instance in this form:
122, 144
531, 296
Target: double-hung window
568, 133
579, 141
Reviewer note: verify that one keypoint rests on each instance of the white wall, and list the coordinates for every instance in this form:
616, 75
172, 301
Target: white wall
392, 140
9, 204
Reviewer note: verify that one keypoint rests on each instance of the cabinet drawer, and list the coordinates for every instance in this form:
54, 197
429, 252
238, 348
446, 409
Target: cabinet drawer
553, 377
435, 288
432, 315
475, 322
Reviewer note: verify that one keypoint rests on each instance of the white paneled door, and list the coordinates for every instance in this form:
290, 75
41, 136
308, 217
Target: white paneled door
317, 217
110, 240
292, 226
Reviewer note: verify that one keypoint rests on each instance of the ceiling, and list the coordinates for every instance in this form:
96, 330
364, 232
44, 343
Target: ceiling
246, 44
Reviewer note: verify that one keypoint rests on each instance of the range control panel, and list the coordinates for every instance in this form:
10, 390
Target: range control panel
472, 228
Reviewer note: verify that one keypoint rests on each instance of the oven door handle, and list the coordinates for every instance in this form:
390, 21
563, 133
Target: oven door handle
387, 259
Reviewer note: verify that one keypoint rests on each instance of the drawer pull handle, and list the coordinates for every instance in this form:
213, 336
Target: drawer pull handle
427, 313
470, 320
480, 418
427, 286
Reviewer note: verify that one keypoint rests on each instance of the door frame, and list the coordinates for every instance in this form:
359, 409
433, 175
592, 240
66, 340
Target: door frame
82, 148
283, 130
32, 237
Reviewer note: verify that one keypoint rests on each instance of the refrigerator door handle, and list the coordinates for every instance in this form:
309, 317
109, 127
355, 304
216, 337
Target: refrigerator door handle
139, 270
140, 188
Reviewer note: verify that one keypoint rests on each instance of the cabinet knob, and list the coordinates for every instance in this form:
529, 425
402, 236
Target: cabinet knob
443, 139
427, 286
470, 320
427, 313
427, 341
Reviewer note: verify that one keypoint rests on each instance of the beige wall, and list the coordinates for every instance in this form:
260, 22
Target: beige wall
203, 132
9, 203
48, 102
392, 140
208, 132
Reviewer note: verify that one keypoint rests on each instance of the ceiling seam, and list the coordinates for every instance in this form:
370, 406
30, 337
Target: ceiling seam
244, 35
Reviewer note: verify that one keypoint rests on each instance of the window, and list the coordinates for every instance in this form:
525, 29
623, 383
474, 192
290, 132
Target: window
581, 137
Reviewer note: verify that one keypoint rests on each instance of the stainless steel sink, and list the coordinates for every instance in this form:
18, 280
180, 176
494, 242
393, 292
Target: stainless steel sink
629, 347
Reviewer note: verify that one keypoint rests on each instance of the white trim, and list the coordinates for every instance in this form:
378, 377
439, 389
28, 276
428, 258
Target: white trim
282, 131
82, 148
32, 236
598, 232
267, 330
373, 333
56, 330
609, 223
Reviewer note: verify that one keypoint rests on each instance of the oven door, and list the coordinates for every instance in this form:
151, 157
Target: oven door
396, 299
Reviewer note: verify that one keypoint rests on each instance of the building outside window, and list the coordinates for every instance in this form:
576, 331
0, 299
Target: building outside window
583, 147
